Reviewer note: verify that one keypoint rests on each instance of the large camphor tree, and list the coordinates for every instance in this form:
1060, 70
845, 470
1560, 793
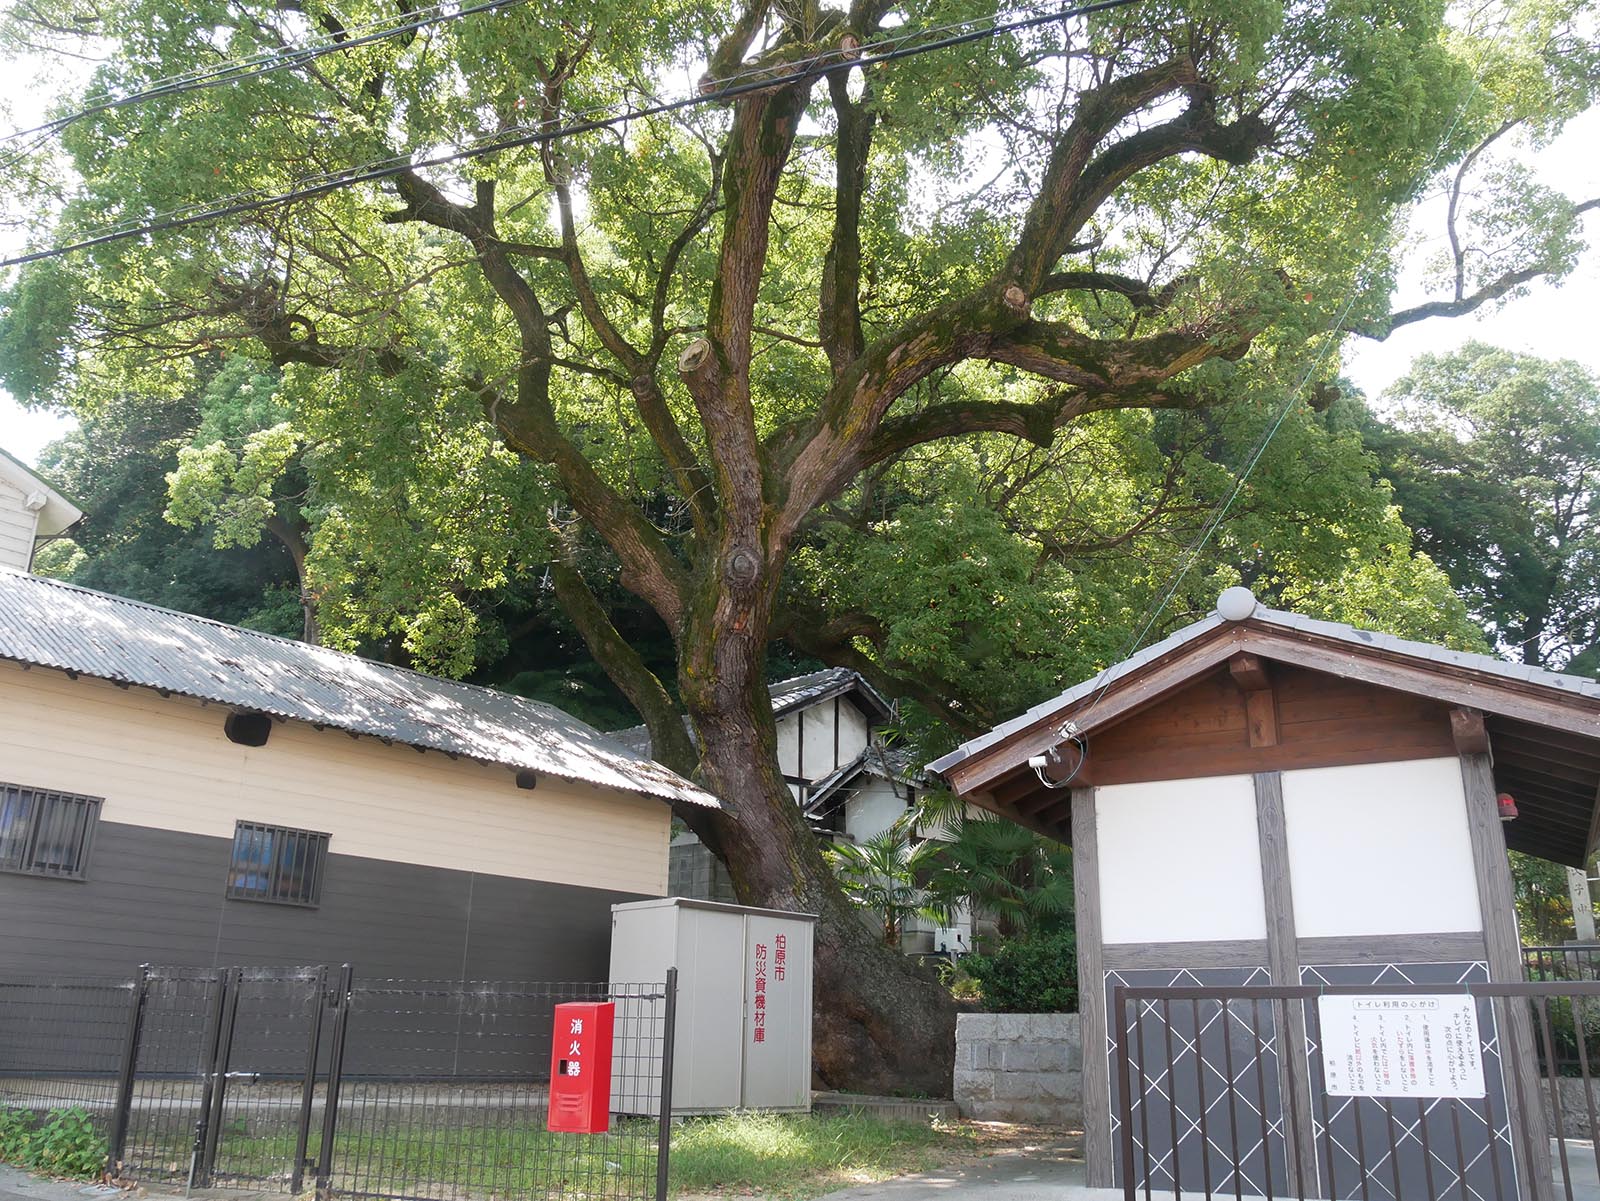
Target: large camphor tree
677, 343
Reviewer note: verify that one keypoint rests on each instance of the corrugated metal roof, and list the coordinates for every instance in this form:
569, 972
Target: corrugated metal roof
52, 624
1338, 631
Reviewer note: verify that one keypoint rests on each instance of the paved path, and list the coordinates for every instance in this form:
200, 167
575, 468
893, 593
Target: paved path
1049, 1171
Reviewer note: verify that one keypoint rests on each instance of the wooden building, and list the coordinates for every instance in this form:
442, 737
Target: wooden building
1264, 798
31, 513
184, 792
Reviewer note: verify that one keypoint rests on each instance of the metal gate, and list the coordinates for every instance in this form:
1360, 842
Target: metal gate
219, 1074
1225, 1092
285, 1078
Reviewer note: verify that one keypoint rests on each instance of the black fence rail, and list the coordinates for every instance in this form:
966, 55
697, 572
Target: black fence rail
1568, 962
61, 1042
284, 1078
1236, 1092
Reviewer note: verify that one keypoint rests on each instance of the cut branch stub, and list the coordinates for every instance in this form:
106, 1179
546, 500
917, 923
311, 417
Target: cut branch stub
742, 565
1017, 300
695, 358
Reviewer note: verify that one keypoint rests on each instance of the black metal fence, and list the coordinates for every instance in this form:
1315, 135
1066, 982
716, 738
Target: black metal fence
1571, 961
1228, 1092
279, 1078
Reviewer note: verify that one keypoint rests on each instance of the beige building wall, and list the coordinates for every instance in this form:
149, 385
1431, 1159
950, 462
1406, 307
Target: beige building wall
165, 763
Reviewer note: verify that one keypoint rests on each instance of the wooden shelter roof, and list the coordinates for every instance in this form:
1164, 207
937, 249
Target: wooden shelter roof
1542, 728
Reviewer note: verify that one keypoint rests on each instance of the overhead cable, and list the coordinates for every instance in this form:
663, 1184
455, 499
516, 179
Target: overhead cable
754, 80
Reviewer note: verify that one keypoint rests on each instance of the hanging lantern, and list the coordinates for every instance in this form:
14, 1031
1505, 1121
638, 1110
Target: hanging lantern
1507, 806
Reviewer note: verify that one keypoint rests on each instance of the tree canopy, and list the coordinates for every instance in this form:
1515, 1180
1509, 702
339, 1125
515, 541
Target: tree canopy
681, 354
1494, 458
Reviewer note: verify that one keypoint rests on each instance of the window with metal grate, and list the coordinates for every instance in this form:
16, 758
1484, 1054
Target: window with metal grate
46, 833
276, 864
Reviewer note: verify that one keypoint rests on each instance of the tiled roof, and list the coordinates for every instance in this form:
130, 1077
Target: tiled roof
51, 624
797, 692
1366, 639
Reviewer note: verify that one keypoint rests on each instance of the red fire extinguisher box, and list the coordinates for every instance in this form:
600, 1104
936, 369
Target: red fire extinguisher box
580, 1067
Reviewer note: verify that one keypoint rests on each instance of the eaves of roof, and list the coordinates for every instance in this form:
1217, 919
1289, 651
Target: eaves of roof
47, 623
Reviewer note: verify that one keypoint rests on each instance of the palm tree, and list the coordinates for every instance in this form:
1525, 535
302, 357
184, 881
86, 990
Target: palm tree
1021, 879
880, 874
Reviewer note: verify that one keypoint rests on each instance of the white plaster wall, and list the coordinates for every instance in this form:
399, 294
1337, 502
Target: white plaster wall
1180, 861
788, 748
853, 732
18, 525
1380, 848
872, 809
818, 743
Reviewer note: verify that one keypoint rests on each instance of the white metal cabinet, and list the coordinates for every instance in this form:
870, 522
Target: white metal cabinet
744, 998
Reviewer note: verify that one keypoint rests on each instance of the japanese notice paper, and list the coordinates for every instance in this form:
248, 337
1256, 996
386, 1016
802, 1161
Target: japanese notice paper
1401, 1046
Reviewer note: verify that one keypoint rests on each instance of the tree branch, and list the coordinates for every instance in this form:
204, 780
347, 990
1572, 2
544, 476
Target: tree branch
670, 743
1465, 303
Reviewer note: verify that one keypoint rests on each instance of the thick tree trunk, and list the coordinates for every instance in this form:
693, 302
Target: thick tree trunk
880, 1023
293, 540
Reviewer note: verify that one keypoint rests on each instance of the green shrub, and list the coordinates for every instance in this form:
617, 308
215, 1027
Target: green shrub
1036, 973
16, 1129
64, 1144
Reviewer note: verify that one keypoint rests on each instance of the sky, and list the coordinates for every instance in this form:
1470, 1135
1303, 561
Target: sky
1552, 322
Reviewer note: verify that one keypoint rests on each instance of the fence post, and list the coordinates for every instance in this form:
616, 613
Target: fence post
1119, 1006
309, 1085
231, 985
330, 1106
208, 1078
669, 1031
125, 1074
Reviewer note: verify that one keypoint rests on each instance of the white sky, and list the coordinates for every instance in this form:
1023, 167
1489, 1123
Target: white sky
1551, 322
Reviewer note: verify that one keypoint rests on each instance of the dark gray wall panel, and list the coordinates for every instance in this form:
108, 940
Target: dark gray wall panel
154, 896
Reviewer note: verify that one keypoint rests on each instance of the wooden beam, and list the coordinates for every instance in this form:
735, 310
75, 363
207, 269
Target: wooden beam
1470, 734
1520, 702
1249, 672
1283, 961
1123, 698
1261, 715
1546, 740
1498, 908
1036, 804
1023, 784
1594, 828
1512, 754
1098, 1152
1056, 812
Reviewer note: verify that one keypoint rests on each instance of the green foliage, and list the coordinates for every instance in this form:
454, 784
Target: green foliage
1544, 907
993, 868
16, 1129
114, 465
1492, 458
880, 876
64, 1144
1035, 973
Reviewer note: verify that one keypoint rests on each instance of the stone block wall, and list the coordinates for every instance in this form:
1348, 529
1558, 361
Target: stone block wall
693, 871
1020, 1067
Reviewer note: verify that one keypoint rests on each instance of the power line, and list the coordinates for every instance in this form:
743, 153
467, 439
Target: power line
265, 62
754, 80
1220, 512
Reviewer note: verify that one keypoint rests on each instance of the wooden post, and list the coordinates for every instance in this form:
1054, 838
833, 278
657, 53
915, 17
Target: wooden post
1098, 1153
1283, 960
1497, 899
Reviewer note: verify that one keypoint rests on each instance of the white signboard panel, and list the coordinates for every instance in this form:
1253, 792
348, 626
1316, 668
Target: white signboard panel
1401, 1046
